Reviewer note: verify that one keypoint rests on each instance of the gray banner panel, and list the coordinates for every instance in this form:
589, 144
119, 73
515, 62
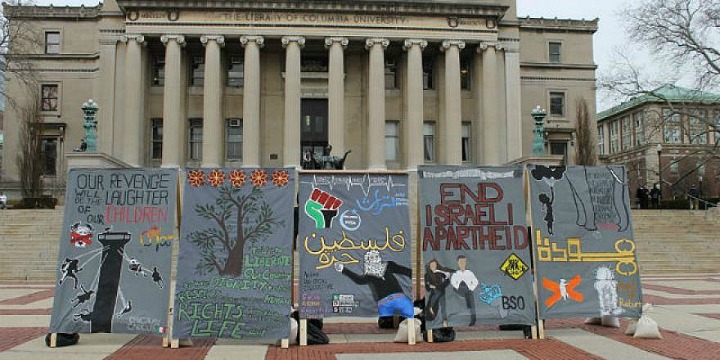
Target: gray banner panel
235, 265
354, 245
475, 246
583, 236
115, 251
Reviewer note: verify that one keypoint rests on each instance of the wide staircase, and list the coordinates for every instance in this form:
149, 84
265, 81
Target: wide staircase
667, 241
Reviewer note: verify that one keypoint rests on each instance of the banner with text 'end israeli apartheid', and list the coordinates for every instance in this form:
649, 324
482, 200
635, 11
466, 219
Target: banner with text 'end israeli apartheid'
475, 248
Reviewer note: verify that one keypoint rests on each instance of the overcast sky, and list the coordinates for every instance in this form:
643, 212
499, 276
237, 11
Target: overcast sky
609, 36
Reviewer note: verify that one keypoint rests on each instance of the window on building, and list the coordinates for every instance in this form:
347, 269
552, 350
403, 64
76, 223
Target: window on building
195, 135
197, 78
236, 72
49, 155
601, 140
559, 148
390, 74
696, 127
159, 71
465, 142
428, 65
314, 63
392, 141
465, 73
554, 51
626, 134
639, 122
49, 97
671, 131
234, 139
52, 42
429, 141
557, 104
614, 129
156, 138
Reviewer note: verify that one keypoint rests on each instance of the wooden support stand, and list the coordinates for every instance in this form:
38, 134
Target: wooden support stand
303, 332
53, 340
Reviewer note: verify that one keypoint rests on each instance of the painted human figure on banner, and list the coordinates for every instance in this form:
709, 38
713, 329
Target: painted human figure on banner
464, 282
437, 279
381, 277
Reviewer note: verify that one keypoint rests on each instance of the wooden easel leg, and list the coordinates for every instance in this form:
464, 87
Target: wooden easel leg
429, 335
411, 331
303, 332
285, 343
53, 340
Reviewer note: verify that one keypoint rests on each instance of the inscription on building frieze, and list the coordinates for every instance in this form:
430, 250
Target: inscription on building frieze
271, 18
313, 18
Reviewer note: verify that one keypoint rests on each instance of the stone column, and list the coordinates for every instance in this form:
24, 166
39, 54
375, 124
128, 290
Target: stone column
490, 121
213, 123
251, 100
134, 101
451, 132
512, 103
414, 103
376, 103
106, 95
336, 93
291, 152
174, 125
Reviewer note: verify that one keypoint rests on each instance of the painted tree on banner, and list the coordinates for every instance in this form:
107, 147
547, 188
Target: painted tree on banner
237, 218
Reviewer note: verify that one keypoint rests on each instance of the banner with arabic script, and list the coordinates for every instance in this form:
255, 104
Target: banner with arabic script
583, 236
475, 246
354, 245
113, 270
235, 265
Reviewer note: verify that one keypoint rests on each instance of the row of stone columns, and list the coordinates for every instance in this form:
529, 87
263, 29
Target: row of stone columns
487, 131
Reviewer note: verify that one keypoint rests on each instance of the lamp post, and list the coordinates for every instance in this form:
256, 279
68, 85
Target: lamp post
538, 144
89, 109
659, 150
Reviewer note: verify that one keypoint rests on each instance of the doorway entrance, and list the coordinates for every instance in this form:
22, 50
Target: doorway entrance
313, 125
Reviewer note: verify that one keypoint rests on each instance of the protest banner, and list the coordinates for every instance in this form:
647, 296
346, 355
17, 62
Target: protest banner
115, 251
235, 262
354, 245
583, 240
475, 246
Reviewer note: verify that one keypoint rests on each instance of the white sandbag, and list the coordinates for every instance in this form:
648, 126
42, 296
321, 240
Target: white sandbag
632, 325
402, 333
646, 327
593, 321
610, 321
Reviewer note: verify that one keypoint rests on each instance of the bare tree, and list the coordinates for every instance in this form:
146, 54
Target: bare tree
19, 39
586, 147
29, 159
235, 219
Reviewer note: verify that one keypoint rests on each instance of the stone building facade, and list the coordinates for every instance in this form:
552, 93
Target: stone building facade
258, 83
